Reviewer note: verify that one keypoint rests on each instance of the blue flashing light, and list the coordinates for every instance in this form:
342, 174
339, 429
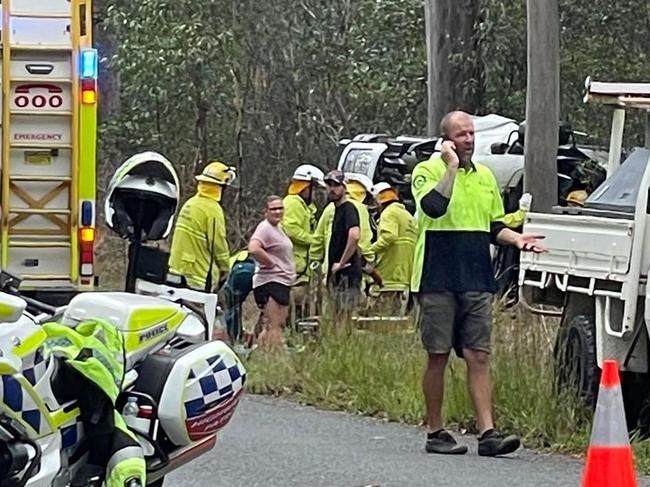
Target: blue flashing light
89, 64
86, 214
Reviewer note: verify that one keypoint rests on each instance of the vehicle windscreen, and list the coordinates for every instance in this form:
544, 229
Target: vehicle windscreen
620, 191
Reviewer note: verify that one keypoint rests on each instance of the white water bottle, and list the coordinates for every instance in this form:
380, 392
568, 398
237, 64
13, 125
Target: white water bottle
131, 407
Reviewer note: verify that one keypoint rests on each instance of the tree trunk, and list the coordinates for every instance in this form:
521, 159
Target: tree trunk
106, 44
451, 53
542, 103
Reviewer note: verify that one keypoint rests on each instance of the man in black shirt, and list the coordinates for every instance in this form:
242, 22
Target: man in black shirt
344, 271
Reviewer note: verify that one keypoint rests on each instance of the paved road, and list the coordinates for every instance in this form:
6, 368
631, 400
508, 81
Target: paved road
275, 443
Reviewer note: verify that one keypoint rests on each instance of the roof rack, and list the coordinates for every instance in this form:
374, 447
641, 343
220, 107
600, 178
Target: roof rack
623, 95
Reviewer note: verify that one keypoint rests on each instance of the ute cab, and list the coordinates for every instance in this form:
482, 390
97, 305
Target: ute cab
49, 122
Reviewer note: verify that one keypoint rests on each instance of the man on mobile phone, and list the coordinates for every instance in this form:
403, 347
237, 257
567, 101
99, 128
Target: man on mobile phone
460, 212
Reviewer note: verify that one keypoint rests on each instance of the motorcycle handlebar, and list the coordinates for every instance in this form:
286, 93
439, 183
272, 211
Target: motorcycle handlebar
42, 307
10, 284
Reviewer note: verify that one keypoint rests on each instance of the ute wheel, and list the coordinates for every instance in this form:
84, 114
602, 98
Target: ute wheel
575, 358
636, 397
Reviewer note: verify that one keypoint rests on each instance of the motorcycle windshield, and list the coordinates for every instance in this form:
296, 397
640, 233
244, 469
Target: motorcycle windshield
619, 192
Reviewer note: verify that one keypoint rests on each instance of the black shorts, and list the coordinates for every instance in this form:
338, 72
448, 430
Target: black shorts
279, 292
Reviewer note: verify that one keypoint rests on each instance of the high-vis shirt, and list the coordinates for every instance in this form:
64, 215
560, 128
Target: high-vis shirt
452, 252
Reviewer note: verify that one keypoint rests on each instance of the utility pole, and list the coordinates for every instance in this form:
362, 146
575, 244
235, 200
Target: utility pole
542, 103
450, 30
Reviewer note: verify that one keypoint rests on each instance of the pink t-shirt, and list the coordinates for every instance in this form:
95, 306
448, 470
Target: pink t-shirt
279, 247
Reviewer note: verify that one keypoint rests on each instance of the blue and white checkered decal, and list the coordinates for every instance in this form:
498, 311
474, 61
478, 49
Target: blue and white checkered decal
17, 399
213, 381
34, 367
71, 433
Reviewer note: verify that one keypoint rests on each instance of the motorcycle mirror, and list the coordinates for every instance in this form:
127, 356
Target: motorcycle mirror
11, 308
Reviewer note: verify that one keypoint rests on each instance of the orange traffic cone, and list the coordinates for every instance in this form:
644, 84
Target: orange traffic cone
609, 457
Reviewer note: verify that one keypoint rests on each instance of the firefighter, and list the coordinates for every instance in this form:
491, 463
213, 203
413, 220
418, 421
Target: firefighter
299, 223
299, 220
517, 218
396, 236
199, 250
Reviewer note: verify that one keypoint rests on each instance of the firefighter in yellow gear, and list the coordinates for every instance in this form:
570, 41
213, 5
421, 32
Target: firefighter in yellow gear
358, 189
199, 246
517, 218
396, 237
299, 220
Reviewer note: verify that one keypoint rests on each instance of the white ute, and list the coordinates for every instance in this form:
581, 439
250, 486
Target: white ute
596, 268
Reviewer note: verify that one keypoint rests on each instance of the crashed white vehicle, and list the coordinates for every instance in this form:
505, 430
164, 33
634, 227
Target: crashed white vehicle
499, 145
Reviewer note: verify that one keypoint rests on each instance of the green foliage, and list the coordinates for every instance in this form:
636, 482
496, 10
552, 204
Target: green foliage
263, 85
270, 85
601, 39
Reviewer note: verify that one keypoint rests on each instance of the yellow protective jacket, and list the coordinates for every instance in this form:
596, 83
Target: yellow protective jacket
323, 234
200, 232
239, 256
515, 219
104, 368
396, 237
299, 223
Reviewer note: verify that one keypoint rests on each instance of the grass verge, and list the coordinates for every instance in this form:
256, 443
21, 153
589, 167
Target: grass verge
378, 374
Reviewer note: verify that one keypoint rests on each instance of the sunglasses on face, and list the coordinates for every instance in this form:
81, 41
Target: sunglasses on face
276, 208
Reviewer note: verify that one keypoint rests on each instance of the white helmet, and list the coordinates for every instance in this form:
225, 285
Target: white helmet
142, 197
362, 179
307, 172
379, 187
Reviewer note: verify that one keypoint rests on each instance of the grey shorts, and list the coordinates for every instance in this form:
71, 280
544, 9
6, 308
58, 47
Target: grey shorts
455, 320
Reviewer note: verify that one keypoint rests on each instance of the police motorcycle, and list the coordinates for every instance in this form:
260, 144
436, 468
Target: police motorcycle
175, 388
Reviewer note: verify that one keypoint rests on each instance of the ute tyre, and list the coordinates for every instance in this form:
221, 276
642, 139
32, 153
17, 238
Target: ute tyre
575, 358
636, 397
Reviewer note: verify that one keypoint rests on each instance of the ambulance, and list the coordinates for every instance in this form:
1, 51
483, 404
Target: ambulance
49, 134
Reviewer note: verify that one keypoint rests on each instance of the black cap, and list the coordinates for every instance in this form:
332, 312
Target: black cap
335, 176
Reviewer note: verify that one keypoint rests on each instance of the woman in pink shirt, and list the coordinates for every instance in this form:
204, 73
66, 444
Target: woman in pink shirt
275, 273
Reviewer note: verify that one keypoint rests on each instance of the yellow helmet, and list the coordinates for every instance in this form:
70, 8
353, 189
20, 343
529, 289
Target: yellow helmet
577, 198
218, 173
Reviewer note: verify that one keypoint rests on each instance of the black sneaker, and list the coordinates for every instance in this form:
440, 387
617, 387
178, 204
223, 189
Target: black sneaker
493, 443
442, 442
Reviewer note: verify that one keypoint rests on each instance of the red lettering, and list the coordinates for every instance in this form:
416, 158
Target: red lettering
39, 137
